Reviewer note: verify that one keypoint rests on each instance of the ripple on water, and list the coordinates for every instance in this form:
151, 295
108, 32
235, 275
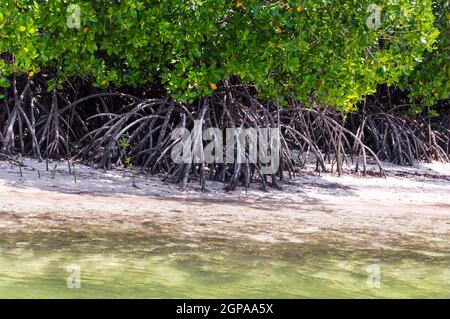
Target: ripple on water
148, 266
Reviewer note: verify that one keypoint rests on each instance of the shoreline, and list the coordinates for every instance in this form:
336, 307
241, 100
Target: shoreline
410, 205
316, 238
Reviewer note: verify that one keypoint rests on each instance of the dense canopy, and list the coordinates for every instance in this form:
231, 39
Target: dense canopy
325, 52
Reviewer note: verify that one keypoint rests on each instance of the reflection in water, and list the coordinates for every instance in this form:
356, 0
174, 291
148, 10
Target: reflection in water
145, 266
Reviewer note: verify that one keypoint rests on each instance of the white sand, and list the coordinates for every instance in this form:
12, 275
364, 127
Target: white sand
411, 205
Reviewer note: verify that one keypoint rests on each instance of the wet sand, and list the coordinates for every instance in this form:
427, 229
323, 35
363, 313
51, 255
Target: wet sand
410, 209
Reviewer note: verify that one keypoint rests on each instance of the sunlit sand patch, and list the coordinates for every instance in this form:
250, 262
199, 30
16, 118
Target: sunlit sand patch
157, 241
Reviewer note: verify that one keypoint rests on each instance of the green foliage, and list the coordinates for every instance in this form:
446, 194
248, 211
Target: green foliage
124, 145
430, 80
318, 51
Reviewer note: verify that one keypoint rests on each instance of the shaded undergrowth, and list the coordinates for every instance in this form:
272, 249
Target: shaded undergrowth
134, 127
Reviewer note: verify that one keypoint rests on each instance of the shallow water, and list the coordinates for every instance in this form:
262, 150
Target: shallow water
35, 265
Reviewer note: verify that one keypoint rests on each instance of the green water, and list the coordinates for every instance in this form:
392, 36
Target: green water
34, 265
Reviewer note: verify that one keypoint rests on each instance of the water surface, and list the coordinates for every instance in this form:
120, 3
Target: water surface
35, 265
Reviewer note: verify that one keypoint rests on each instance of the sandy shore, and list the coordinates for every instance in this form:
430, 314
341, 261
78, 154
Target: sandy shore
409, 207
